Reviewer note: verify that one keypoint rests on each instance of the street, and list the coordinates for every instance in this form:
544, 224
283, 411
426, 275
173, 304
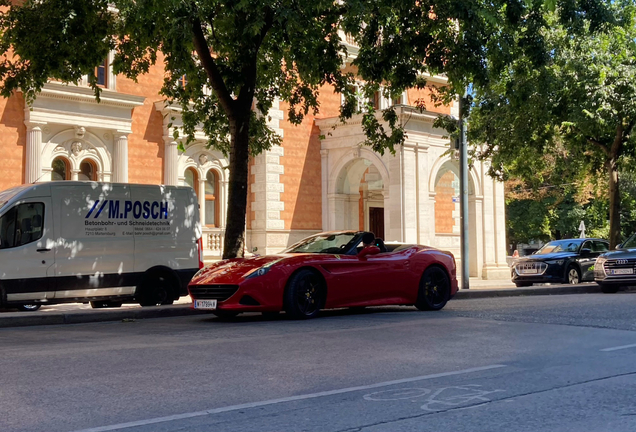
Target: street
536, 363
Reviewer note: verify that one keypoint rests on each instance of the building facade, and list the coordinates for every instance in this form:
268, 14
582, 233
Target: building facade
304, 186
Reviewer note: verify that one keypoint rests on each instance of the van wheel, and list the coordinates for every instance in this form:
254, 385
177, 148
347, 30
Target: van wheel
29, 307
157, 288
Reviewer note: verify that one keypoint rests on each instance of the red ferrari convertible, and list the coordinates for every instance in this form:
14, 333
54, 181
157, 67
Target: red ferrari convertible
324, 271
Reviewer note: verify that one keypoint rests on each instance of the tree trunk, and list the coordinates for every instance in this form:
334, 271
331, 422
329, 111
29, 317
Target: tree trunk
237, 189
614, 202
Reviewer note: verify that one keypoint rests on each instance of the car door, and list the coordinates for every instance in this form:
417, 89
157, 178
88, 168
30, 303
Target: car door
26, 250
587, 258
598, 248
364, 281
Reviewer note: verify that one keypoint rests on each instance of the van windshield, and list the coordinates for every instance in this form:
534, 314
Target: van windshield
6, 195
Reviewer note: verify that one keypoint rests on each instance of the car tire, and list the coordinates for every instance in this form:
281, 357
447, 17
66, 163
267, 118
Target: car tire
270, 314
29, 307
156, 288
305, 295
523, 284
572, 275
105, 304
225, 315
609, 288
434, 290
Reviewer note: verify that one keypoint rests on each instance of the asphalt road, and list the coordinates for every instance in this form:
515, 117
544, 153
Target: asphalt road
545, 363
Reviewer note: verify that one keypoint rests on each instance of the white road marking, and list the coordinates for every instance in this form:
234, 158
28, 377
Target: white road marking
619, 348
184, 416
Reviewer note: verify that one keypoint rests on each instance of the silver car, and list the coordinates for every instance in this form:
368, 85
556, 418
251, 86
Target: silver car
617, 268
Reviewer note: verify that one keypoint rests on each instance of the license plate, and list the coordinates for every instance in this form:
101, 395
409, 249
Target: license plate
621, 271
205, 304
528, 271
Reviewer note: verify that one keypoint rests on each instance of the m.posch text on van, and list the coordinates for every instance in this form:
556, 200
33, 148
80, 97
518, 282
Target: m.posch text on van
138, 209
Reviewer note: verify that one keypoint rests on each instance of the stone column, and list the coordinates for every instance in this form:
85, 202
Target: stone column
201, 198
324, 158
120, 158
170, 174
223, 205
33, 167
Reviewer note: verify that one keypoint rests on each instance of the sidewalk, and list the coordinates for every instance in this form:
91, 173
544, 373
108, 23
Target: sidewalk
83, 313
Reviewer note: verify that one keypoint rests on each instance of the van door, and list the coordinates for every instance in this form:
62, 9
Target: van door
26, 250
94, 246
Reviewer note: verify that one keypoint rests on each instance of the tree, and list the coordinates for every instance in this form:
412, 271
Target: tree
582, 102
250, 52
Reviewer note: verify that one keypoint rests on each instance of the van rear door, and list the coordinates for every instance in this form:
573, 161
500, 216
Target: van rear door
26, 250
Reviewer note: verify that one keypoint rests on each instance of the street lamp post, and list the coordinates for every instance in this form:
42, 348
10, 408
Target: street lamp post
463, 192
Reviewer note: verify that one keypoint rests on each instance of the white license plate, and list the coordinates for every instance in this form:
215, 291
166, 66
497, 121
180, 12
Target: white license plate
621, 271
205, 304
528, 271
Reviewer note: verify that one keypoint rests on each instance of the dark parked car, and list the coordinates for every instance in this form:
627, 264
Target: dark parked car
617, 268
561, 261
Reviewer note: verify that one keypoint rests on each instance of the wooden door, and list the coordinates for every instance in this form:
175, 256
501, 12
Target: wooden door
376, 221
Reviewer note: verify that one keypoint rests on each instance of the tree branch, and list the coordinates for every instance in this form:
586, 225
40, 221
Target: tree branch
214, 75
246, 95
603, 147
618, 140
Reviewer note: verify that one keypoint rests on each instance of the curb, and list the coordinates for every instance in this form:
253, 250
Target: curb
35, 319
530, 291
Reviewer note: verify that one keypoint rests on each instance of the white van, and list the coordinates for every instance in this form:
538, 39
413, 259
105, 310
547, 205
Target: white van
106, 243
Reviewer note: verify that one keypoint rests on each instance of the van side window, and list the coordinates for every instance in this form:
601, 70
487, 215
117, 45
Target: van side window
22, 224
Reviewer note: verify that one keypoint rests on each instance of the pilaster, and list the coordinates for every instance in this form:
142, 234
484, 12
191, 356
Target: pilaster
120, 157
33, 167
170, 169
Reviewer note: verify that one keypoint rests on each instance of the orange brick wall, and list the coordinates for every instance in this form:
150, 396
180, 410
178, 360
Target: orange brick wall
444, 205
303, 173
424, 94
12, 141
145, 144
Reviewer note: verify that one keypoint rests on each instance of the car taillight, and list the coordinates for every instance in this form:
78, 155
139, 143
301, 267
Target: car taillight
200, 247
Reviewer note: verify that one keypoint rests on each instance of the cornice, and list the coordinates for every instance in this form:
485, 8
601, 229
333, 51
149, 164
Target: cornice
54, 90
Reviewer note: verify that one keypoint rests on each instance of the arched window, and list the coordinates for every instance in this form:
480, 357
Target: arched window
88, 171
211, 206
192, 179
61, 169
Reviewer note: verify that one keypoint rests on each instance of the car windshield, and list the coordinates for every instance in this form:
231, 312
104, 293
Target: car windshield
559, 246
324, 243
6, 195
630, 243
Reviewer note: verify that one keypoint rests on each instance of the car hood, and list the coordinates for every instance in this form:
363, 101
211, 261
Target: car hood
620, 254
547, 257
234, 268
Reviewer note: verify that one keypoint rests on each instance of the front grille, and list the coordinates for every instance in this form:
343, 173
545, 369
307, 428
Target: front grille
213, 292
619, 264
532, 268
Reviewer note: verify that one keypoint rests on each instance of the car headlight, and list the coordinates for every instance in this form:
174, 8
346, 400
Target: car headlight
557, 262
598, 265
260, 271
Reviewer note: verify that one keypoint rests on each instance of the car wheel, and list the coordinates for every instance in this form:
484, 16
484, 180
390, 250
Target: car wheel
305, 295
434, 289
573, 275
105, 304
609, 289
29, 307
270, 314
223, 314
157, 288
523, 284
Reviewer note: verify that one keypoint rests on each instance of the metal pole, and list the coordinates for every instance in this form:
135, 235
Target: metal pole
463, 192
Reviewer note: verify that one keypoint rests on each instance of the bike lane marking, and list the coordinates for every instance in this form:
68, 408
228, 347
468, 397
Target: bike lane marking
128, 425
622, 347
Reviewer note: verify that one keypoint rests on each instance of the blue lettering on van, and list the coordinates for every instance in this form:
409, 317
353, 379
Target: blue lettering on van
137, 209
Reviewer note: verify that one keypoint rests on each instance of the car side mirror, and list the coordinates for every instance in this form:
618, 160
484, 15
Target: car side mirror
586, 252
367, 251
619, 246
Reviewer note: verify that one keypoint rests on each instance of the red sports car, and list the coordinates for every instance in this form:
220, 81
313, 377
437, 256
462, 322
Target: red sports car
324, 271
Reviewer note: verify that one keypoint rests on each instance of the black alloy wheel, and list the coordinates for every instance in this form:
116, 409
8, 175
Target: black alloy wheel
29, 307
434, 289
572, 275
305, 295
609, 288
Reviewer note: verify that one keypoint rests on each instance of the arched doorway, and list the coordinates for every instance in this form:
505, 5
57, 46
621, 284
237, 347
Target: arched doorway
447, 213
359, 199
